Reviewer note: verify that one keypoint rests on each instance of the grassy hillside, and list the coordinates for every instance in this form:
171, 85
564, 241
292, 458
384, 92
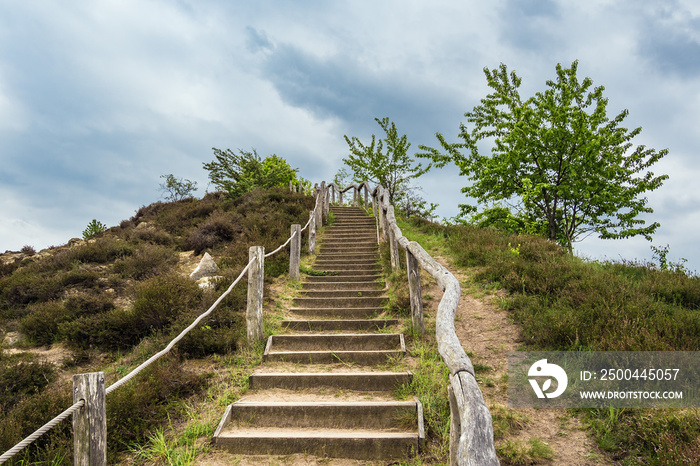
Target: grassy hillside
111, 302
563, 303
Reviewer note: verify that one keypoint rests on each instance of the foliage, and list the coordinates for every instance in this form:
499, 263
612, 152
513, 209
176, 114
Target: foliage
240, 173
556, 157
563, 303
393, 169
176, 189
93, 228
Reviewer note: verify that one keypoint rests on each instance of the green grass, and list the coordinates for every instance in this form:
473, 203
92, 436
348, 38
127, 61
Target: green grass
564, 303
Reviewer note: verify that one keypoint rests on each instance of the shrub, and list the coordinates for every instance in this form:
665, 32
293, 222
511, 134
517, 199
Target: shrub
146, 261
147, 402
20, 379
26, 286
28, 250
21, 419
159, 302
103, 250
41, 323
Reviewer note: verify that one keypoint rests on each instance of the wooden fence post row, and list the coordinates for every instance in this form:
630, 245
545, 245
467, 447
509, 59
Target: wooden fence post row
90, 422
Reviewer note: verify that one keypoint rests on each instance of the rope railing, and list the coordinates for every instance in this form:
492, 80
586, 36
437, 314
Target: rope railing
471, 428
97, 455
41, 431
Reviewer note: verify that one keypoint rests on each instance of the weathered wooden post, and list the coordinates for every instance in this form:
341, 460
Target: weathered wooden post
355, 196
326, 203
295, 252
256, 276
366, 195
322, 202
318, 210
312, 232
340, 197
414, 290
333, 193
90, 421
393, 240
291, 188
301, 187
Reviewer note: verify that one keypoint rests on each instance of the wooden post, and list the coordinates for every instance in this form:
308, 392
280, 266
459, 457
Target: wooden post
333, 193
295, 252
394, 250
455, 427
318, 210
291, 189
340, 197
256, 276
414, 290
312, 232
301, 187
366, 196
90, 422
355, 196
322, 202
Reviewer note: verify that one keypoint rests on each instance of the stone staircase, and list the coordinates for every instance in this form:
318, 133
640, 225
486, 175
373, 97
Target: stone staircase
321, 389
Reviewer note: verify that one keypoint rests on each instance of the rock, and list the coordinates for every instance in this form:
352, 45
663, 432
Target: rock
206, 268
12, 339
207, 283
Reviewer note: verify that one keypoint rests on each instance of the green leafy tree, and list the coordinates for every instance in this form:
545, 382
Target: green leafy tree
394, 168
239, 173
176, 189
556, 159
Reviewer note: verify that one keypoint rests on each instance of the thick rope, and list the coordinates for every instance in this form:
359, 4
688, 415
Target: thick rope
182, 334
41, 431
280, 248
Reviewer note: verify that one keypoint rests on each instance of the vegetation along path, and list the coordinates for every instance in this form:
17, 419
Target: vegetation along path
325, 387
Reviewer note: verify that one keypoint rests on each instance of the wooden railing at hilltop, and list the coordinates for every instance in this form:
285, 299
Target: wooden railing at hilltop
471, 428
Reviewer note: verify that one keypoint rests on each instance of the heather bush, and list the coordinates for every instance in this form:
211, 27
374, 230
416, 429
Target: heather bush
151, 400
19, 378
146, 260
102, 250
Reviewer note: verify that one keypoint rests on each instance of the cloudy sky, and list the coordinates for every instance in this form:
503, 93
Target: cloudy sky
99, 99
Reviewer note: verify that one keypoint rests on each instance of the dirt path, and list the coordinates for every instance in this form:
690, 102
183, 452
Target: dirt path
487, 335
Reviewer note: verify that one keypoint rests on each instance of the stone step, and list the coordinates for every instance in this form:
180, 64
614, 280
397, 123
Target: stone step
364, 381
361, 445
329, 325
362, 358
336, 342
343, 273
371, 255
339, 313
356, 415
341, 302
350, 242
375, 277
334, 259
328, 286
354, 293
348, 250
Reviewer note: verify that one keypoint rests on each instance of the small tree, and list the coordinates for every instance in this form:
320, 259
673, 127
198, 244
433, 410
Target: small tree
556, 158
240, 173
93, 228
393, 169
177, 189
